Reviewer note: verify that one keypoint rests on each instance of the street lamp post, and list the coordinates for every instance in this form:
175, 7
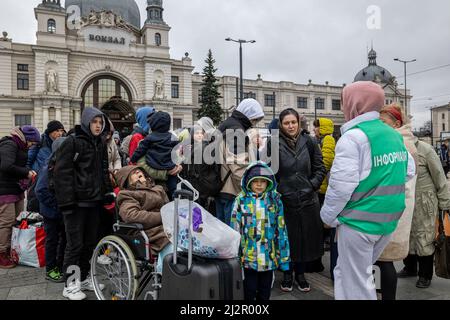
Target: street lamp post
240, 41
431, 125
405, 62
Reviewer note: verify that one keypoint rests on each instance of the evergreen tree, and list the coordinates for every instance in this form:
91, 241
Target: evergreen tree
210, 95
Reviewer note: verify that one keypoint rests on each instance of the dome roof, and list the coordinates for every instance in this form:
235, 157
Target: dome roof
127, 9
374, 72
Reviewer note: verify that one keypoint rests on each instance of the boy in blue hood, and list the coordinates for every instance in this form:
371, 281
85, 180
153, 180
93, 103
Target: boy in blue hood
258, 216
157, 148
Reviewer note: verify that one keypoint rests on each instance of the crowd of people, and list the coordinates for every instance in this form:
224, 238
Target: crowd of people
371, 198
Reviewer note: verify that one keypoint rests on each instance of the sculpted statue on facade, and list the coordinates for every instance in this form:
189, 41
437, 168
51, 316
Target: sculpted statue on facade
51, 80
159, 89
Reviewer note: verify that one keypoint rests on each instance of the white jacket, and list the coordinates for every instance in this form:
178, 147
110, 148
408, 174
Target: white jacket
352, 164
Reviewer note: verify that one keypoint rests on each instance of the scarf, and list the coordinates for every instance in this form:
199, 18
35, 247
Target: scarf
291, 141
19, 138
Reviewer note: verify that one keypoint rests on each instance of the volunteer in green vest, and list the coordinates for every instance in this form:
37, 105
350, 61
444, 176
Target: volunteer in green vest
366, 193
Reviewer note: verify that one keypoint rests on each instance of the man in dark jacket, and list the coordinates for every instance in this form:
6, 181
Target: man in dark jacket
82, 184
247, 115
39, 154
13, 175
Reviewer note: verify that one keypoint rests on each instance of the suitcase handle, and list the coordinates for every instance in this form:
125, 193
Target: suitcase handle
179, 195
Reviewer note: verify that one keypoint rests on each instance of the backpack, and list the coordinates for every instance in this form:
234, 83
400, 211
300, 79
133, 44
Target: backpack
52, 164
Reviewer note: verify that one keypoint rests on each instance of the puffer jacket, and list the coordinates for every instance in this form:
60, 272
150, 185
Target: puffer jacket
352, 164
38, 155
114, 159
142, 204
13, 160
158, 145
81, 170
327, 146
260, 221
432, 195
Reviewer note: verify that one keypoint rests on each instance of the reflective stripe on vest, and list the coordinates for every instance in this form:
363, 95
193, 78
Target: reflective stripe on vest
379, 191
370, 216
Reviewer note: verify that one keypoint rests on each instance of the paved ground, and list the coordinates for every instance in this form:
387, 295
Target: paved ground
24, 283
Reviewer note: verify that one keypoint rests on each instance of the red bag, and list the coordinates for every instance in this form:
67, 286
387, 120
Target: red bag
28, 245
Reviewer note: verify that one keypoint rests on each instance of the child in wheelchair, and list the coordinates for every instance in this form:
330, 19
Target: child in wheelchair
140, 201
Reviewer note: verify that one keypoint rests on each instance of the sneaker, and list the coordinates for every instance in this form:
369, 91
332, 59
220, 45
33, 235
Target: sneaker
302, 284
104, 260
73, 292
6, 262
404, 273
423, 283
287, 283
54, 276
88, 285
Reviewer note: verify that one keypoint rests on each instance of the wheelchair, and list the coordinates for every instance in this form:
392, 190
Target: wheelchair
122, 265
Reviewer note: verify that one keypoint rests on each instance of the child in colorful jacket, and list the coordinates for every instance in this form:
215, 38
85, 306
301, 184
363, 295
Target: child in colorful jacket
258, 216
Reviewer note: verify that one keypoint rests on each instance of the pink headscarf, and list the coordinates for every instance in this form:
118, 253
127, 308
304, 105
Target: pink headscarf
361, 97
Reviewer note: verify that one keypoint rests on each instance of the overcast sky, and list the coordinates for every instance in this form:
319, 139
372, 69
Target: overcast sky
322, 40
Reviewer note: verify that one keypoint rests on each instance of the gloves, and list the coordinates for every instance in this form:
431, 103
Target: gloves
109, 198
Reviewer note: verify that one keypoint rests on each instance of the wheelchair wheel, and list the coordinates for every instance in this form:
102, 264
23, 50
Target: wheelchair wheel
113, 266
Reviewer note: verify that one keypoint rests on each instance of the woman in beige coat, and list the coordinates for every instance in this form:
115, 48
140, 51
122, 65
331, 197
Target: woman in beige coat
432, 195
398, 247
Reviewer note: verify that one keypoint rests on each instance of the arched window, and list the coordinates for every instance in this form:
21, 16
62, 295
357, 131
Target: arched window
100, 89
51, 26
158, 39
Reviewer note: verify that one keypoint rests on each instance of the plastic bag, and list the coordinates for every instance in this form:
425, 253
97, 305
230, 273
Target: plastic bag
211, 237
28, 244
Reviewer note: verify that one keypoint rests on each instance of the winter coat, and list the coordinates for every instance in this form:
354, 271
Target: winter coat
142, 204
39, 154
13, 160
81, 170
398, 247
136, 139
157, 146
432, 195
260, 221
327, 146
352, 164
114, 159
47, 201
232, 161
299, 178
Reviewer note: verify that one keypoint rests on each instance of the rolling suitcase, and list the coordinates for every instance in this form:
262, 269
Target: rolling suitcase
192, 278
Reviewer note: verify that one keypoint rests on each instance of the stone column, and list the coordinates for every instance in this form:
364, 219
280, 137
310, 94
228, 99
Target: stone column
58, 113
77, 119
45, 116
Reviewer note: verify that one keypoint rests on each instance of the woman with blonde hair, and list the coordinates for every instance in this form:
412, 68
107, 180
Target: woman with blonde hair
398, 247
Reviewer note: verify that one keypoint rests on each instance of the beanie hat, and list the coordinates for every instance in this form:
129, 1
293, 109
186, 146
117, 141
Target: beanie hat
53, 126
116, 135
31, 134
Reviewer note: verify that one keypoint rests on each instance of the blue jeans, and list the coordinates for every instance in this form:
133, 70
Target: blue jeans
224, 208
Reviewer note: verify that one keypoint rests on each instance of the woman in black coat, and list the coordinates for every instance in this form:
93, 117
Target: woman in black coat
301, 172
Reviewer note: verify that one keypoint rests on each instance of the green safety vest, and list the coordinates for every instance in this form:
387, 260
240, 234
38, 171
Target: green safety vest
378, 202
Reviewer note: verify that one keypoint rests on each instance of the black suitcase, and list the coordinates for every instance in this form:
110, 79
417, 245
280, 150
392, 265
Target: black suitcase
192, 278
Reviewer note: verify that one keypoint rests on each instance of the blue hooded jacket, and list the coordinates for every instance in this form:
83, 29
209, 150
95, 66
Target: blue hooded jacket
259, 218
39, 154
158, 145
